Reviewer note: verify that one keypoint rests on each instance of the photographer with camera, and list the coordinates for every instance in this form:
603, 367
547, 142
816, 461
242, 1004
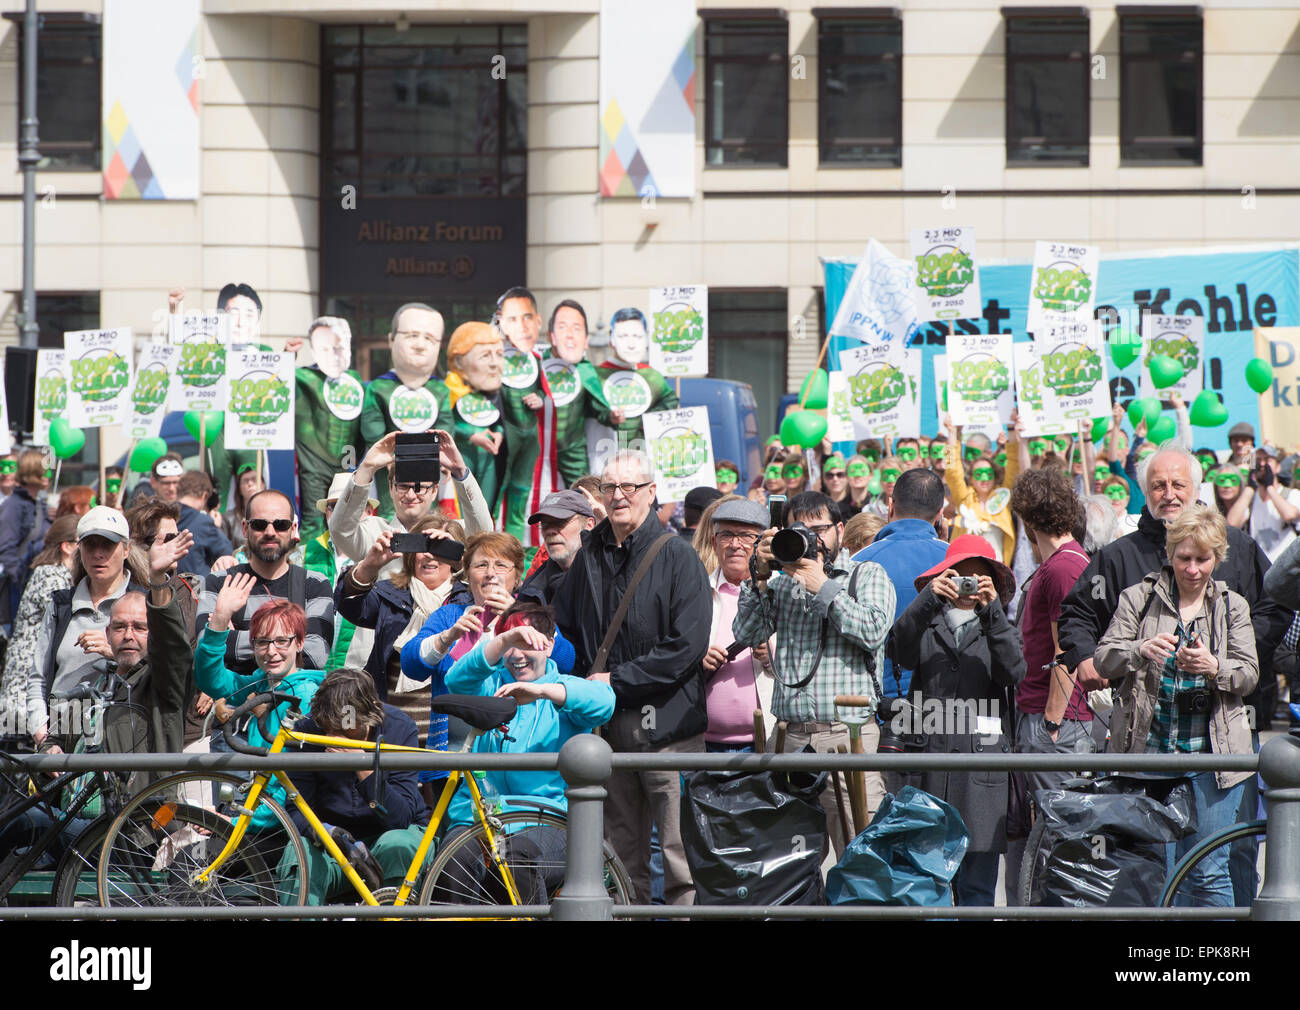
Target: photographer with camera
830, 616
1265, 509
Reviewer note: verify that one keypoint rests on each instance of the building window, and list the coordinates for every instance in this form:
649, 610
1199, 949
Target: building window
68, 59
747, 97
420, 112
1047, 89
60, 312
747, 343
860, 90
1160, 86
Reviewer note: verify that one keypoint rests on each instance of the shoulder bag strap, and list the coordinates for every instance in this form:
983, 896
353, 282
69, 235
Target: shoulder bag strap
298, 585
602, 654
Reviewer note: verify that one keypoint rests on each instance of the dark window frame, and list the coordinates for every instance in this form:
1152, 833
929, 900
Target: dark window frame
56, 156
1131, 148
825, 20
1017, 147
715, 23
717, 335
48, 338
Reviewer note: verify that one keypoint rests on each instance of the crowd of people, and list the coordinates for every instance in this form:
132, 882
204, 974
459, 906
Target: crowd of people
1075, 595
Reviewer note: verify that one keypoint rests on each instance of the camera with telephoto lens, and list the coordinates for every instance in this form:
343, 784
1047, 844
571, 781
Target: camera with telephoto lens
793, 544
892, 711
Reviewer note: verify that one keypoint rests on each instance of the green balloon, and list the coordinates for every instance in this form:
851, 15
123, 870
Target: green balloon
212, 424
815, 391
146, 453
1259, 375
65, 440
1124, 347
1207, 411
1165, 371
1100, 426
803, 428
1163, 430
1148, 408
873, 485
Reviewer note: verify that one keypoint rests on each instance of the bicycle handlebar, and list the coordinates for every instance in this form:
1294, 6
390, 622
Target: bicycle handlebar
272, 699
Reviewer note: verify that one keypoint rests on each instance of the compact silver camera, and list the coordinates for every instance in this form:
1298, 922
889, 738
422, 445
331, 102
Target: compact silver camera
966, 585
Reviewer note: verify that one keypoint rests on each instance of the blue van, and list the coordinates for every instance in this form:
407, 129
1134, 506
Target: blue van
733, 422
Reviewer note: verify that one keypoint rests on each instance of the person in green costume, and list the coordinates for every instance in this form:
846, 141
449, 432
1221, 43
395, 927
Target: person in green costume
415, 339
472, 396
582, 397
327, 416
629, 348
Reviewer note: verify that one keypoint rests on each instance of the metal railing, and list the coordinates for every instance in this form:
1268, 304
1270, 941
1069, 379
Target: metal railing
586, 762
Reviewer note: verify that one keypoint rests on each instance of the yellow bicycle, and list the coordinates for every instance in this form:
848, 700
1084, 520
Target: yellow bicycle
187, 840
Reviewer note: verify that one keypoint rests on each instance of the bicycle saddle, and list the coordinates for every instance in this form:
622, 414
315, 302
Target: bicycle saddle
482, 713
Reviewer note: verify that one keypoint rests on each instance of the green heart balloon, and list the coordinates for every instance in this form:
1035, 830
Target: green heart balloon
1259, 375
1148, 408
803, 428
1165, 371
815, 391
146, 453
213, 420
1163, 430
1124, 347
65, 440
1207, 411
1100, 426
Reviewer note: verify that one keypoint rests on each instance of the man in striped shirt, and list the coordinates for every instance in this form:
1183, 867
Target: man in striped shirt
830, 617
272, 532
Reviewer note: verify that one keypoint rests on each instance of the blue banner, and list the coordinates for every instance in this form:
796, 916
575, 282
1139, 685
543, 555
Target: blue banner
1234, 291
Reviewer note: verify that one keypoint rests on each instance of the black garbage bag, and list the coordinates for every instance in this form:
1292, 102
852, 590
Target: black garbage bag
907, 855
1103, 840
755, 838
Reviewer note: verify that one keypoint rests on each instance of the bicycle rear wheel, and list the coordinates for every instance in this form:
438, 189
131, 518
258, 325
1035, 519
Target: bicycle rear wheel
532, 846
1188, 863
162, 841
1031, 865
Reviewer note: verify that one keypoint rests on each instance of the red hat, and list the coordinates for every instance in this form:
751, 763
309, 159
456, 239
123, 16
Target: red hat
969, 545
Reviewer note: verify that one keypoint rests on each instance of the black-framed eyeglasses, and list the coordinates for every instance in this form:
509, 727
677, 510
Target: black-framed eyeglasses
409, 488
628, 489
167, 538
258, 525
282, 642
821, 528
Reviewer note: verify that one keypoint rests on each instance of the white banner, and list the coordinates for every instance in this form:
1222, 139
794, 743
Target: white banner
679, 330
201, 369
1074, 366
260, 412
1040, 410
1062, 286
151, 388
839, 416
99, 376
979, 378
51, 392
879, 304
947, 277
681, 446
1181, 338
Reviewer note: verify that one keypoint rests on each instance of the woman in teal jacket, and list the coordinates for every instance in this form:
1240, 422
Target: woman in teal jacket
552, 706
278, 629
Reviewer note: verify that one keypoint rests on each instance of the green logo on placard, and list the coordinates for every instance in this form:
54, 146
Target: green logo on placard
259, 398
680, 452
1072, 369
627, 390
1029, 386
202, 363
679, 330
877, 388
563, 383
1063, 287
150, 389
413, 409
1177, 347
981, 378
944, 274
52, 395
100, 375
477, 409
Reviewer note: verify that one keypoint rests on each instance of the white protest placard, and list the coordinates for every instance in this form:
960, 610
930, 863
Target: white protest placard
882, 389
947, 279
259, 414
151, 388
944, 388
201, 369
1074, 367
681, 446
99, 376
979, 379
51, 392
1062, 285
1181, 338
6, 442
839, 418
679, 330
1039, 408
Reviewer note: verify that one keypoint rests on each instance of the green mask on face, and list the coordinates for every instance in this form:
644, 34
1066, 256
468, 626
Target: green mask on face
1227, 479
938, 450
890, 475
871, 456
1116, 493
907, 452
1037, 447
1208, 461
1101, 473
982, 473
772, 473
972, 453
727, 476
114, 484
792, 472
49, 474
859, 470
1062, 444
8, 466
833, 463
1000, 459
1144, 453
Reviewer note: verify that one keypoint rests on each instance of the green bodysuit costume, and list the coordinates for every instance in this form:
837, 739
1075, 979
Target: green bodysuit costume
377, 421
488, 470
571, 420
324, 439
662, 397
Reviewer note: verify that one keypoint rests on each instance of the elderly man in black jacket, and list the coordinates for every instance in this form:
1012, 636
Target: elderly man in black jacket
1170, 481
653, 664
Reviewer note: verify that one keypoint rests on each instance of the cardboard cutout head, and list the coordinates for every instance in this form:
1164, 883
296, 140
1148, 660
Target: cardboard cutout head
415, 339
629, 337
245, 309
568, 331
331, 345
518, 319
476, 353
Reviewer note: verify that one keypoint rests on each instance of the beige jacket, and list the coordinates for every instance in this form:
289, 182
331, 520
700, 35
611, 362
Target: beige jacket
1232, 639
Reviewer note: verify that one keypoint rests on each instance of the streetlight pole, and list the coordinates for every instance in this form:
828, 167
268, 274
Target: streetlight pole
28, 157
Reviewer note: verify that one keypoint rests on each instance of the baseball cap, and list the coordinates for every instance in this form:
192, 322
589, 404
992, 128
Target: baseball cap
1243, 429
1269, 450
102, 521
742, 510
562, 505
701, 497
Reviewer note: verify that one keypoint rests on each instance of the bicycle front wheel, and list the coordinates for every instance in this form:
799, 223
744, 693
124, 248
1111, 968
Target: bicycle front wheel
532, 847
161, 846
76, 877
1227, 836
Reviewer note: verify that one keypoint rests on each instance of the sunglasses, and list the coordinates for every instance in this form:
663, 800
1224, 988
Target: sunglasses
258, 525
1226, 480
792, 472
889, 476
907, 453
834, 474
167, 538
1116, 493
858, 470
982, 473
937, 450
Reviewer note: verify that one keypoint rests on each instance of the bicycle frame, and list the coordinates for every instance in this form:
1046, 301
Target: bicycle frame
262, 779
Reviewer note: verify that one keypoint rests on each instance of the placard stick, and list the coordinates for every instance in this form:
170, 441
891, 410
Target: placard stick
126, 472
820, 358
261, 463
203, 444
103, 486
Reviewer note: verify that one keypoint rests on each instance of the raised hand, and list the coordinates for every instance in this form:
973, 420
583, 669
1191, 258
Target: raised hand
231, 599
163, 555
